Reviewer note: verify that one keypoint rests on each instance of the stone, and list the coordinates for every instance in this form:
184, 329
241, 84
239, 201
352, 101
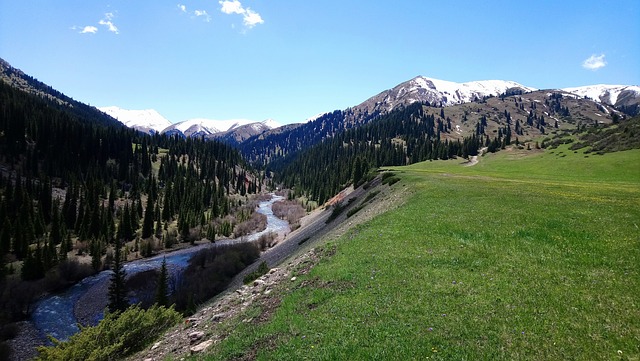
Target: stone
201, 347
195, 336
258, 282
294, 278
218, 317
156, 345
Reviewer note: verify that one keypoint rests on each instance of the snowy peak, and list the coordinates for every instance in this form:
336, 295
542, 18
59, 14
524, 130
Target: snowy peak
211, 127
271, 124
617, 95
194, 127
148, 120
456, 93
438, 92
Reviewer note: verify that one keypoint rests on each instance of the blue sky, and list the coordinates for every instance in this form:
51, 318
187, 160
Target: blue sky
289, 60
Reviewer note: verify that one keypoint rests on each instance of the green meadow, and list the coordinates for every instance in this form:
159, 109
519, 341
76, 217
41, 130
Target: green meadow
524, 256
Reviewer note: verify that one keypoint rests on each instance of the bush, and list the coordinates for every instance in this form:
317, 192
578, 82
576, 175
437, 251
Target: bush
210, 271
354, 210
261, 270
338, 208
390, 180
290, 210
370, 196
266, 241
386, 175
115, 337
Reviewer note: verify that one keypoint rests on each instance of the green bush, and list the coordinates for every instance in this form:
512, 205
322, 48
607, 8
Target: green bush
261, 270
354, 210
386, 175
390, 180
115, 337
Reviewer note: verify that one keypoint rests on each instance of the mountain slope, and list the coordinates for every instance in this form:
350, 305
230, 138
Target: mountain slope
239, 134
17, 79
623, 97
147, 121
438, 92
211, 128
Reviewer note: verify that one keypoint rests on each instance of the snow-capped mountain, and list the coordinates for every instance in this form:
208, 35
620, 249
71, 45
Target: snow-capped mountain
240, 133
210, 127
438, 92
148, 120
620, 96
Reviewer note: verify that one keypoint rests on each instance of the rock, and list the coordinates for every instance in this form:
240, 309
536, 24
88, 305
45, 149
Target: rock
273, 270
156, 345
294, 278
201, 347
258, 282
218, 317
195, 336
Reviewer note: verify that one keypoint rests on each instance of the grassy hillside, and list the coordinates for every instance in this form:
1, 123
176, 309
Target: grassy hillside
524, 256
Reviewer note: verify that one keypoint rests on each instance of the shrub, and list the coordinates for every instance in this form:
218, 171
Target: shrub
390, 180
354, 210
261, 270
116, 336
210, 271
370, 196
386, 175
338, 208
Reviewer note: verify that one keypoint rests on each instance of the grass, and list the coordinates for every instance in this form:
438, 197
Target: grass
525, 256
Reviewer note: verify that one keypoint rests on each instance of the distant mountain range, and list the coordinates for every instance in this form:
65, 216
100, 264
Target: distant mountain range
435, 92
442, 93
150, 121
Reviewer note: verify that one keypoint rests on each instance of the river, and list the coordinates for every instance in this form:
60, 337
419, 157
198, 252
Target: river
56, 315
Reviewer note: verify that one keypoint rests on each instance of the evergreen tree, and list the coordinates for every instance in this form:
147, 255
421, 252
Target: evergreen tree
162, 298
357, 171
117, 291
147, 224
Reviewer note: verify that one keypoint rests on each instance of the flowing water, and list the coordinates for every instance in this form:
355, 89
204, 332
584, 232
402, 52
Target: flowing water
54, 315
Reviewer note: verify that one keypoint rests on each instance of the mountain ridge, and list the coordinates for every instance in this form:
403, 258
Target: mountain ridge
146, 120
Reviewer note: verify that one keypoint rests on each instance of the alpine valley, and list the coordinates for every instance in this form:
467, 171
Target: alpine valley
477, 220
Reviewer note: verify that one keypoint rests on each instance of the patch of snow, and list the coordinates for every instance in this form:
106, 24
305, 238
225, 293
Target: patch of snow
602, 93
204, 126
309, 120
456, 93
272, 124
143, 120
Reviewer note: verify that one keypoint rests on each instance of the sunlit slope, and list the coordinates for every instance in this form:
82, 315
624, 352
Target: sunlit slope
524, 256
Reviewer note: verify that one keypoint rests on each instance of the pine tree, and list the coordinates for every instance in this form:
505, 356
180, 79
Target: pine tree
117, 291
163, 284
147, 224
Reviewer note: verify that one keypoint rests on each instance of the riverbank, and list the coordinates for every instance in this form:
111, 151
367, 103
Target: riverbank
87, 307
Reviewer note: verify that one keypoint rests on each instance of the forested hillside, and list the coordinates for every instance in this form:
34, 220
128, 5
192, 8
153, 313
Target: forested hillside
72, 185
405, 136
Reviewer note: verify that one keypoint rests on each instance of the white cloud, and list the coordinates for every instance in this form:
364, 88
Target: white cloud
250, 18
594, 62
199, 13
182, 8
108, 23
88, 29
231, 7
